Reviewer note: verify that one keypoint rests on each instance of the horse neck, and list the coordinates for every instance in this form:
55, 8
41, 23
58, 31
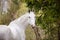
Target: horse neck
22, 22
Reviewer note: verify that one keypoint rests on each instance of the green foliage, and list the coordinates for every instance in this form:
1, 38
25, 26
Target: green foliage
22, 10
33, 4
5, 19
48, 17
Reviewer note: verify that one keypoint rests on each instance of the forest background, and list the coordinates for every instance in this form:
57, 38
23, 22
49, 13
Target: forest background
47, 16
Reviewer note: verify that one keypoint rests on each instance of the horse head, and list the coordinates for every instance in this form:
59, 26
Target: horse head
32, 18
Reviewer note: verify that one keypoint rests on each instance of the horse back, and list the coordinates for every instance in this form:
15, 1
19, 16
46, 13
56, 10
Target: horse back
5, 33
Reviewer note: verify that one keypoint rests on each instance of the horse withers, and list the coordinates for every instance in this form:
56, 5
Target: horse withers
5, 33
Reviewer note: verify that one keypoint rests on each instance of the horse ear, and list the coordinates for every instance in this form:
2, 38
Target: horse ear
31, 10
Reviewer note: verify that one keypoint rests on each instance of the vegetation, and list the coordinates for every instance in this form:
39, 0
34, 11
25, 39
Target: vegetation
47, 16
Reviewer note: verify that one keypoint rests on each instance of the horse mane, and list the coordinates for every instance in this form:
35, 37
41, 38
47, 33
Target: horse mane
21, 18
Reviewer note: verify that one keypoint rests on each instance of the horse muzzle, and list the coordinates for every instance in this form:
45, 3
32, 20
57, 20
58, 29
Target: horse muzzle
33, 26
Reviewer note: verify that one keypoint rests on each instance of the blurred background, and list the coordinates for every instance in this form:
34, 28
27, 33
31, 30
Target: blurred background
47, 16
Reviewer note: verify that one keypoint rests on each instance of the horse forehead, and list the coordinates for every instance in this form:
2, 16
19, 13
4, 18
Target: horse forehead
32, 15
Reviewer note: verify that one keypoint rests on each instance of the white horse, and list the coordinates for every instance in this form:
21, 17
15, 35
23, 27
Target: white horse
16, 29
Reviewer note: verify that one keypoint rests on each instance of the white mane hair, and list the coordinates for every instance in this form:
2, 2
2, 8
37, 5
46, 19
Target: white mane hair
21, 19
